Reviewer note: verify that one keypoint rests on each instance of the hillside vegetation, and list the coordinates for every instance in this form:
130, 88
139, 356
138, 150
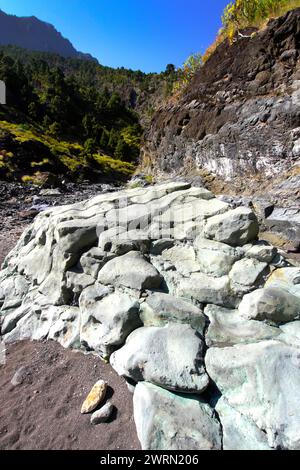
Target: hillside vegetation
237, 17
96, 109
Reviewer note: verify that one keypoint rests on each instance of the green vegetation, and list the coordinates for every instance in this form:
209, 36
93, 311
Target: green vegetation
237, 16
54, 157
253, 13
243, 14
188, 71
77, 108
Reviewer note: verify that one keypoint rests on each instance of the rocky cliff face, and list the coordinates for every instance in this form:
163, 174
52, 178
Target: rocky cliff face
34, 34
241, 114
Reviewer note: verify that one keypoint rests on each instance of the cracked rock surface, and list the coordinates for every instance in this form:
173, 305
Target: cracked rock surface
174, 289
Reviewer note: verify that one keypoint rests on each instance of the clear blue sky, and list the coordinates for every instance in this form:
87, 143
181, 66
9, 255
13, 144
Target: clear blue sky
136, 34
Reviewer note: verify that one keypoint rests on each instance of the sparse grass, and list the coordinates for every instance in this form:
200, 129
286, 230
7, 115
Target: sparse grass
69, 155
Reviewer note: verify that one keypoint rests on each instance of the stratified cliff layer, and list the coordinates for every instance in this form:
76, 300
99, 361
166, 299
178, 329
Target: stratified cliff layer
240, 116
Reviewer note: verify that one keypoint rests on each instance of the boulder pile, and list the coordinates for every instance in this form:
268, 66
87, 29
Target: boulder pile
173, 287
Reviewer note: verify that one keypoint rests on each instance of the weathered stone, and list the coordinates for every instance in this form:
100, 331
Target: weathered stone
206, 289
76, 282
107, 319
239, 431
287, 279
74, 235
134, 240
95, 397
20, 376
102, 415
183, 258
158, 246
66, 330
290, 334
141, 275
198, 209
171, 357
275, 305
247, 275
215, 258
93, 260
261, 251
261, 381
227, 328
168, 421
236, 227
161, 309
12, 291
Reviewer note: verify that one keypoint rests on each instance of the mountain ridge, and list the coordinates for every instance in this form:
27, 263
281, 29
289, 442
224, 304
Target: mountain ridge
34, 34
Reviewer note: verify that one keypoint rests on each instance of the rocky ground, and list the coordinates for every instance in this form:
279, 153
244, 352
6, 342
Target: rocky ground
237, 124
19, 205
49, 369
178, 293
43, 411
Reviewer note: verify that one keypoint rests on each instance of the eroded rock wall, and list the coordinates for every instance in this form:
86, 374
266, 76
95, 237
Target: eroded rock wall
240, 116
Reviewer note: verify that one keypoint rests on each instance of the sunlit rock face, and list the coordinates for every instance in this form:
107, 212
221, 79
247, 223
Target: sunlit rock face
173, 287
239, 116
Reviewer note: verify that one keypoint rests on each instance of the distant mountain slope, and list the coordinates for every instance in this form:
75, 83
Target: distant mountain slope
34, 34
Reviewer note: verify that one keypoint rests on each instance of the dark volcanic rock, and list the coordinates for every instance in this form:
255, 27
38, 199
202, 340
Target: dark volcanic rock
241, 114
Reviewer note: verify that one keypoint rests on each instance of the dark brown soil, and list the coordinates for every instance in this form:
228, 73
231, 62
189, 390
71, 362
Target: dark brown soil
43, 412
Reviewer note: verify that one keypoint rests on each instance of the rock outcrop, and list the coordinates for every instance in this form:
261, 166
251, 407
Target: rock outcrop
238, 122
240, 114
173, 287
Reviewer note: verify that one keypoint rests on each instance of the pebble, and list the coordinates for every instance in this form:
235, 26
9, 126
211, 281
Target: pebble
95, 397
19, 376
102, 415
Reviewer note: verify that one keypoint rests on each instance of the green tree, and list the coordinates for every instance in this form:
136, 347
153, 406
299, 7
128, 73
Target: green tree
113, 139
90, 147
122, 151
104, 139
170, 69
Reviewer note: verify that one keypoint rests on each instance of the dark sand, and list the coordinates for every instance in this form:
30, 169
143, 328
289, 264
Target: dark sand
44, 411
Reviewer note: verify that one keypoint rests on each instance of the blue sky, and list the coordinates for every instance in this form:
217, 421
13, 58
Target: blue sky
136, 34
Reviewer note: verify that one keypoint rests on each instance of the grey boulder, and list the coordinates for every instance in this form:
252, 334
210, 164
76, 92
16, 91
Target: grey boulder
275, 305
161, 309
168, 421
132, 271
261, 381
236, 227
171, 357
106, 318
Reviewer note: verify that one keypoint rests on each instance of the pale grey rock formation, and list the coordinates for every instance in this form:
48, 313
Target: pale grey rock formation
236, 227
170, 421
132, 271
261, 381
171, 357
215, 258
227, 328
287, 279
150, 278
247, 275
160, 309
207, 289
273, 304
239, 431
107, 321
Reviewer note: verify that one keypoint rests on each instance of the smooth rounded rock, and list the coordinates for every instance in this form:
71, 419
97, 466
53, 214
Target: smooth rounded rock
102, 415
95, 397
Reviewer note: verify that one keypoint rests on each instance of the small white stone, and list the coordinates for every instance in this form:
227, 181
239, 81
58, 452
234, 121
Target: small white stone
102, 415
